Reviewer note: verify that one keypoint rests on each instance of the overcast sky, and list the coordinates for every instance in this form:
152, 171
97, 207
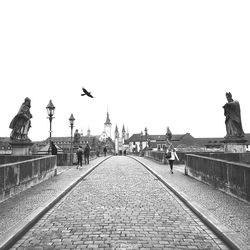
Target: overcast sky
149, 63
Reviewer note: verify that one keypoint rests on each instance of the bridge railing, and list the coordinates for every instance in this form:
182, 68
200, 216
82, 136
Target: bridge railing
18, 176
230, 177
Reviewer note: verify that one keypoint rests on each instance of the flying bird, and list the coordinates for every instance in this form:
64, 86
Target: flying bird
86, 93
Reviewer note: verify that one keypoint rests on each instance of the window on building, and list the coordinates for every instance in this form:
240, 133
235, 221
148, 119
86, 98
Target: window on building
158, 146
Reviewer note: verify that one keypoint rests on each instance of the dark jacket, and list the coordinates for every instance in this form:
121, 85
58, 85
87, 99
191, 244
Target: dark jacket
87, 150
79, 152
53, 149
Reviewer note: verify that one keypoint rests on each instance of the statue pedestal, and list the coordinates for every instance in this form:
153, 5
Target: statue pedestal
235, 145
21, 148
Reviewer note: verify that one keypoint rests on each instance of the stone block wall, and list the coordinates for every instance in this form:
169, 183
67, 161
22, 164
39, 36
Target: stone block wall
4, 159
160, 156
235, 157
64, 159
230, 177
18, 176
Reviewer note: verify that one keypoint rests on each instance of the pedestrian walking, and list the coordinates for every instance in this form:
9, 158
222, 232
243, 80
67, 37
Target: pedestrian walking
79, 154
105, 151
53, 148
172, 156
86, 154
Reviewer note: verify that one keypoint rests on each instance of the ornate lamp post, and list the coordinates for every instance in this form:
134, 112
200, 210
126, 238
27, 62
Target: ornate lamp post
50, 110
141, 144
146, 135
71, 122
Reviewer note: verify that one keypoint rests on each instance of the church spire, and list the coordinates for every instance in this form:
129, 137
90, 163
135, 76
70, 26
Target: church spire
116, 132
88, 132
107, 120
123, 132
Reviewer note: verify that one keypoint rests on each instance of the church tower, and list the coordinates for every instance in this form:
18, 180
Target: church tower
88, 132
123, 134
127, 135
107, 126
116, 140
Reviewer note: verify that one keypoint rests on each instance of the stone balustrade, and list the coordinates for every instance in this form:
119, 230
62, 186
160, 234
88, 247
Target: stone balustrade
16, 176
230, 177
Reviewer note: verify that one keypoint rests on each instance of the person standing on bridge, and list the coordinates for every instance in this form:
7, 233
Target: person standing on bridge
105, 151
86, 154
172, 158
79, 154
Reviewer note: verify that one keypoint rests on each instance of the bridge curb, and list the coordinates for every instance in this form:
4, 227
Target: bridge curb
228, 236
30, 220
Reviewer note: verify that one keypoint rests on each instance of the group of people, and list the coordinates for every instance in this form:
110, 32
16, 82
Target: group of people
82, 153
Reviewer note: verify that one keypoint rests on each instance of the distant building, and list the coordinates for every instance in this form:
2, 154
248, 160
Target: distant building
5, 147
64, 142
121, 144
107, 129
96, 142
182, 142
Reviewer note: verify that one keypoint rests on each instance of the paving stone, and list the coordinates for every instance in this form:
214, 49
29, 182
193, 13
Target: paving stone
228, 210
138, 211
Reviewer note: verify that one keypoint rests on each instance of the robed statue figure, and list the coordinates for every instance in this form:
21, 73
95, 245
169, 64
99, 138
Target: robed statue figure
21, 124
233, 118
77, 137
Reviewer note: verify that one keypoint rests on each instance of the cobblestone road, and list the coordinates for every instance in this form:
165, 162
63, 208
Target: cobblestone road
119, 206
228, 210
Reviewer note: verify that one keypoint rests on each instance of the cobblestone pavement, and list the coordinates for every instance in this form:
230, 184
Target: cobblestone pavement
119, 206
229, 211
15, 209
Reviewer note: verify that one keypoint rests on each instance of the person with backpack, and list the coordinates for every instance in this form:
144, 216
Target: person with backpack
79, 154
86, 154
171, 156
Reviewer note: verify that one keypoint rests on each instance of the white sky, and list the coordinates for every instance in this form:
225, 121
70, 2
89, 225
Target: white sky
150, 63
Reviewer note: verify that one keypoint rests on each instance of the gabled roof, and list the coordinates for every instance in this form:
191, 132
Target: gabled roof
158, 137
136, 137
68, 138
175, 137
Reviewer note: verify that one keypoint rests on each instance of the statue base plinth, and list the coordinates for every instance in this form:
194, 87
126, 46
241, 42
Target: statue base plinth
235, 145
21, 148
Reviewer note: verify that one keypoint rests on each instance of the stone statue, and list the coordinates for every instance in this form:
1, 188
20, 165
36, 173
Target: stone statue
21, 124
169, 134
77, 137
233, 118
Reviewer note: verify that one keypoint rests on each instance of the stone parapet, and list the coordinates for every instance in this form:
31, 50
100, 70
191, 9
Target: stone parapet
230, 177
18, 176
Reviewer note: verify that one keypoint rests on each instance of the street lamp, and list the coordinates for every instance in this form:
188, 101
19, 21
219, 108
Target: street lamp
71, 122
141, 143
50, 110
146, 137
